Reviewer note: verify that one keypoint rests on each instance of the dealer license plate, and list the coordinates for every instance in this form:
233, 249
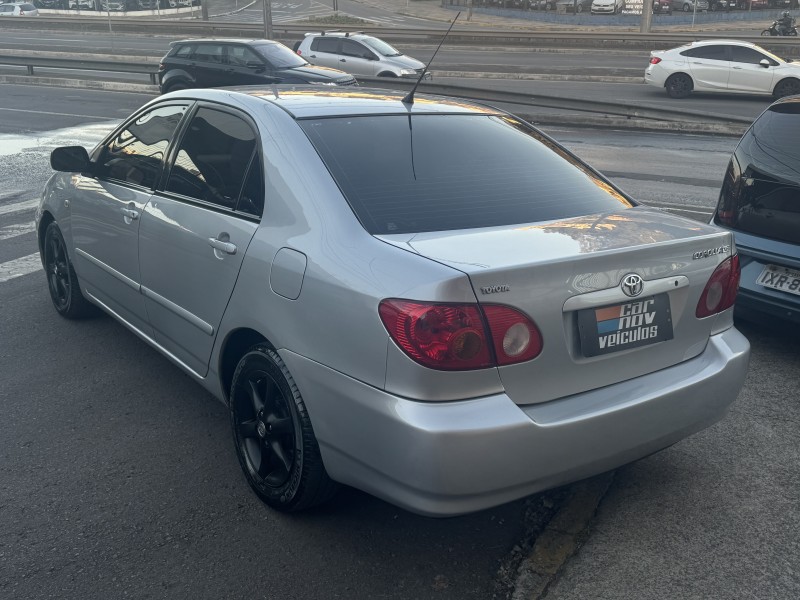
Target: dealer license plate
780, 278
622, 326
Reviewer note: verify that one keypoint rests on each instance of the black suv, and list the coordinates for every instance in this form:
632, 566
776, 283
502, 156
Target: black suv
217, 63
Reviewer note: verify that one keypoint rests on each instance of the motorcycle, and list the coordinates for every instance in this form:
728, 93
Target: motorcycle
774, 30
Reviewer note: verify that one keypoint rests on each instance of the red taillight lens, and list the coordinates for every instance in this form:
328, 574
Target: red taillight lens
720, 291
515, 337
453, 337
299, 53
654, 60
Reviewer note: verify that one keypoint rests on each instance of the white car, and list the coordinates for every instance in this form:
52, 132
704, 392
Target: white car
18, 9
722, 66
357, 54
607, 7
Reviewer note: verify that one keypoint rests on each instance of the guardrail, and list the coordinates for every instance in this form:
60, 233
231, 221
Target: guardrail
458, 36
62, 60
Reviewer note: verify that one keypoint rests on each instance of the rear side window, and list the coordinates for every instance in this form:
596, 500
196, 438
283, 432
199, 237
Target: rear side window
209, 53
404, 174
213, 158
709, 52
184, 51
322, 44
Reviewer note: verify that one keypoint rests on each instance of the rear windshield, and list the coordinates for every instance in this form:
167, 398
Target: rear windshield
404, 174
769, 204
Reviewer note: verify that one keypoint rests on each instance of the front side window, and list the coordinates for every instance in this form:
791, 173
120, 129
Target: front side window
410, 174
213, 158
135, 154
242, 55
351, 48
742, 54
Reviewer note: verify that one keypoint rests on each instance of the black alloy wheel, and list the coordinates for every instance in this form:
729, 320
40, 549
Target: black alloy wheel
62, 282
275, 443
678, 85
787, 87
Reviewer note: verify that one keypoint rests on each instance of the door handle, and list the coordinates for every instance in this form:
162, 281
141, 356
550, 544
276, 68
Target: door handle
130, 213
313, 56
226, 247
342, 60
737, 68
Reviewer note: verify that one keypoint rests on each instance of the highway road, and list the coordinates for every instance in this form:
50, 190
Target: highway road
119, 479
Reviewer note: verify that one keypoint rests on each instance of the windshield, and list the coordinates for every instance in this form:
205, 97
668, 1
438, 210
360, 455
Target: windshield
404, 174
279, 56
381, 47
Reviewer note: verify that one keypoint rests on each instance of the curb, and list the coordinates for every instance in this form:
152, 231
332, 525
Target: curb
90, 84
538, 76
561, 538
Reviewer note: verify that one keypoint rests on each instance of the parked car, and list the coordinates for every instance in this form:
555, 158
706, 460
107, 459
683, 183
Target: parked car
18, 9
573, 6
605, 7
663, 7
542, 4
751, 4
722, 66
760, 203
219, 63
717, 5
424, 298
689, 5
82, 4
358, 54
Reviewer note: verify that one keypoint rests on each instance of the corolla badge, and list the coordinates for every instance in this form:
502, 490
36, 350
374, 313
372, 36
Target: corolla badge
711, 252
632, 285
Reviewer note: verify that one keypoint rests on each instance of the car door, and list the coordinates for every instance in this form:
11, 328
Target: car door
357, 59
210, 70
106, 210
710, 66
747, 72
245, 67
195, 231
325, 52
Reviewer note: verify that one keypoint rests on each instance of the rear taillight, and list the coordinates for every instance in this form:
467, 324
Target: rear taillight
299, 53
454, 337
720, 291
654, 60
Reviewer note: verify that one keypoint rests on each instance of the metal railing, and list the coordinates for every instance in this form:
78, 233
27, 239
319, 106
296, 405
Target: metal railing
64, 60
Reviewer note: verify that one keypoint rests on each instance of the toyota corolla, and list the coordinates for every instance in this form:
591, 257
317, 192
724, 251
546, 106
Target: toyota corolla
425, 298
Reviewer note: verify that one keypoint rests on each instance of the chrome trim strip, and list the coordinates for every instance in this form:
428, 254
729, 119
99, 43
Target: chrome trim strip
144, 337
99, 263
179, 310
613, 295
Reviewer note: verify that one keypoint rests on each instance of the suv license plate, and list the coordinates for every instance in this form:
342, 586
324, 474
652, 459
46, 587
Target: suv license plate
780, 278
622, 326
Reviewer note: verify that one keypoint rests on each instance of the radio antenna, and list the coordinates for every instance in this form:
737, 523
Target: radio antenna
409, 98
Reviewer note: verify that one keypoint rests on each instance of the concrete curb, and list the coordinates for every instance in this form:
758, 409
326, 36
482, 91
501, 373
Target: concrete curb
538, 76
89, 84
561, 537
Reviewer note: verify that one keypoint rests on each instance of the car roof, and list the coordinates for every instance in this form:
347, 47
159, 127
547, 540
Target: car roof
250, 42
710, 42
319, 101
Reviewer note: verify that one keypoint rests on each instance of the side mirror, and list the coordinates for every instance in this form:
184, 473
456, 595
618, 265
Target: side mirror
70, 159
764, 63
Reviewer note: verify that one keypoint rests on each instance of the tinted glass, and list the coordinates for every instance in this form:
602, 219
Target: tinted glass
134, 155
380, 46
405, 174
748, 55
710, 52
241, 55
279, 56
351, 48
185, 51
252, 198
767, 201
213, 157
209, 53
322, 44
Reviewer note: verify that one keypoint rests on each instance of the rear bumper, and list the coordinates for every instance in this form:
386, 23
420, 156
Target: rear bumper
449, 458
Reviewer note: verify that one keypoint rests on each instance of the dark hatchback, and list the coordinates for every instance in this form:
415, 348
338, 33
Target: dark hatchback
760, 203
219, 63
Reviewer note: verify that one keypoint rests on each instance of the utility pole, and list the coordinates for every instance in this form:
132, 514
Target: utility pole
267, 19
647, 16
204, 10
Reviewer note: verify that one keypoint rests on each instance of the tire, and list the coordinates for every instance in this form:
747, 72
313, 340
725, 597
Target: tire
792, 33
678, 85
272, 432
767, 32
686, 7
787, 87
175, 86
579, 8
62, 281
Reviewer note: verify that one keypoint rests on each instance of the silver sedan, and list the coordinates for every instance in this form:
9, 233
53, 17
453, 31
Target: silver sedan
422, 297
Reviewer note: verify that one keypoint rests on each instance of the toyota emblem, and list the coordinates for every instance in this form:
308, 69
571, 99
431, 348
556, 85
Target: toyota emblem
632, 285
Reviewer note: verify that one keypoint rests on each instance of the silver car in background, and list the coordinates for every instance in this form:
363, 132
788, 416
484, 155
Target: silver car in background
427, 299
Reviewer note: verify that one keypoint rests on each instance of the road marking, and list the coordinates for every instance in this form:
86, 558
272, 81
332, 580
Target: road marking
12, 231
19, 267
57, 114
18, 206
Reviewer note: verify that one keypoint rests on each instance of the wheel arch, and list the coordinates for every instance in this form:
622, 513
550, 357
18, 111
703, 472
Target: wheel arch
387, 74
44, 222
236, 345
780, 82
